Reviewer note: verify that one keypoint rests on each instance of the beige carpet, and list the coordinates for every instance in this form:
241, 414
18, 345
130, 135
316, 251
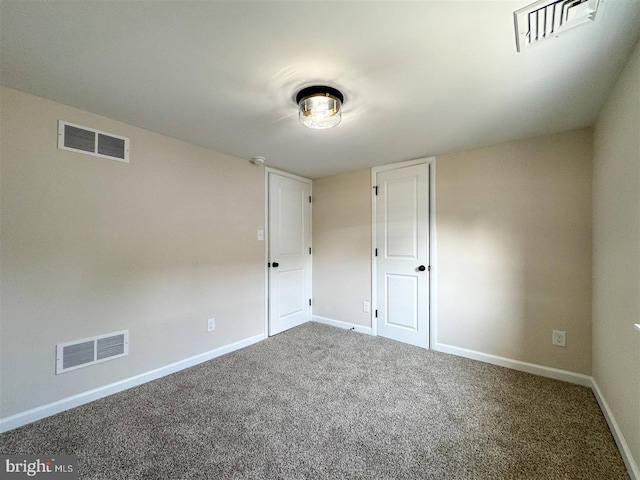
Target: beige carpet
318, 402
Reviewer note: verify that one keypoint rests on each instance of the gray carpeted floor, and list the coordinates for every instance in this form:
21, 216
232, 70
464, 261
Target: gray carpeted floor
318, 402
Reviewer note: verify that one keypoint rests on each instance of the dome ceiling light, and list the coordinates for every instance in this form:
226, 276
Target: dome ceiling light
319, 106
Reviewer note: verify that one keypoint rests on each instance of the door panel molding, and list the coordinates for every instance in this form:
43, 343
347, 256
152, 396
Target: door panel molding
376, 251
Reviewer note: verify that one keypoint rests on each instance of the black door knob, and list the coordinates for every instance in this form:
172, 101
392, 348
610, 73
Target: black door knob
422, 268
275, 264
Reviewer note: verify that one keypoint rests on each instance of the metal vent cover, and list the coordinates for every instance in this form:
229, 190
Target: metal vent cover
89, 351
77, 138
549, 18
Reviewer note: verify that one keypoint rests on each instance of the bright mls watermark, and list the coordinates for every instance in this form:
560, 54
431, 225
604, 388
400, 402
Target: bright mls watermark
51, 467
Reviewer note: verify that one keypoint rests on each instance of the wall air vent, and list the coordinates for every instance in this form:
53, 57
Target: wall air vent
82, 353
92, 142
549, 18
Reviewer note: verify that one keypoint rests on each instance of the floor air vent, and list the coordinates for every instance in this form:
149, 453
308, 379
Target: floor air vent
82, 353
549, 18
92, 142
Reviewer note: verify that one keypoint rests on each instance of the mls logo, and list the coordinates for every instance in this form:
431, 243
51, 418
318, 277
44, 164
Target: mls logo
53, 467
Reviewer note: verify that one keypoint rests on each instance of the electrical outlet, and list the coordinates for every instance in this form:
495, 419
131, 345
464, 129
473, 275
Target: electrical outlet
211, 325
559, 338
366, 307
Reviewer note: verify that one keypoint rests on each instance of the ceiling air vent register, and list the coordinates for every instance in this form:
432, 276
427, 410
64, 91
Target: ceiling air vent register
548, 19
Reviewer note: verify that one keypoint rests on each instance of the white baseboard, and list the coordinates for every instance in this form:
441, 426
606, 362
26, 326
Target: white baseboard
341, 324
541, 370
627, 456
29, 416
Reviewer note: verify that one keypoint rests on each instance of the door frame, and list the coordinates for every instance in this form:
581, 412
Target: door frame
267, 171
431, 162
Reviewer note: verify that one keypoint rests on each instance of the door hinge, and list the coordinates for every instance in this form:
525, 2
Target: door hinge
309, 302
310, 252
376, 313
375, 188
376, 254
309, 198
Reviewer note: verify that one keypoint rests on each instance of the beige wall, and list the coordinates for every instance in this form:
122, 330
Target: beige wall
90, 246
514, 249
342, 247
513, 225
616, 253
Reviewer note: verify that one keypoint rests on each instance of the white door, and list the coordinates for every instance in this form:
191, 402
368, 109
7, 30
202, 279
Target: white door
402, 261
289, 252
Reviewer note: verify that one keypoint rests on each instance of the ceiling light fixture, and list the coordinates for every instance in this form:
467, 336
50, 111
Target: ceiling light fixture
320, 106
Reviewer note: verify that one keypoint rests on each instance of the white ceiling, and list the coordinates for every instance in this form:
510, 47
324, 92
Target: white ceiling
420, 78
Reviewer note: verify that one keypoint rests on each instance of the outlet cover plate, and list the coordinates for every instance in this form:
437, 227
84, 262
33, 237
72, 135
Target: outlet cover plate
559, 338
211, 324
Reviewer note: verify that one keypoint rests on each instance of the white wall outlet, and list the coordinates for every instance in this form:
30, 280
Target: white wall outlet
559, 338
260, 235
211, 325
366, 307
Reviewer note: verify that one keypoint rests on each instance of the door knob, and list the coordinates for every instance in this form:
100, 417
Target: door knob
275, 264
422, 268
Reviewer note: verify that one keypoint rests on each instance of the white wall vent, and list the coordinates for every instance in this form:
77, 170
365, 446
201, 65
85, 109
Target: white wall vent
92, 142
89, 351
549, 18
